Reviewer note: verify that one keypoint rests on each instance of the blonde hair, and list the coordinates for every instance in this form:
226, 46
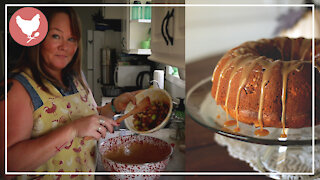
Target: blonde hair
31, 57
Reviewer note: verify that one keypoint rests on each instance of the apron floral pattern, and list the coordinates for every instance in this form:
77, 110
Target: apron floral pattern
78, 155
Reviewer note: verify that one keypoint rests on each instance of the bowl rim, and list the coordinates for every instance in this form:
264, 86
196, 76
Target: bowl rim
132, 135
163, 123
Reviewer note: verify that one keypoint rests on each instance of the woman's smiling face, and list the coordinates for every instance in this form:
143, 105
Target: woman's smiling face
60, 45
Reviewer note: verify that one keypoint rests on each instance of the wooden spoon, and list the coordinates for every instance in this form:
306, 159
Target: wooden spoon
142, 106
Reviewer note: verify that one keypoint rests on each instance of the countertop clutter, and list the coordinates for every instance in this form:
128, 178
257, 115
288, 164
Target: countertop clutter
176, 162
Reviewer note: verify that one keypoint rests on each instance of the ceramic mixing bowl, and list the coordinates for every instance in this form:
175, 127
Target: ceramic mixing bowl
128, 153
155, 94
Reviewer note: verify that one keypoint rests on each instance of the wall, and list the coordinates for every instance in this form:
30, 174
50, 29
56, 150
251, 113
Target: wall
85, 14
212, 30
113, 38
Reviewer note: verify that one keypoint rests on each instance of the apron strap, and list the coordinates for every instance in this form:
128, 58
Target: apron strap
35, 98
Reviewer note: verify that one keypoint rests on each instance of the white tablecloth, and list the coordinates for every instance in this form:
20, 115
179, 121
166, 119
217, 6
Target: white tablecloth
263, 158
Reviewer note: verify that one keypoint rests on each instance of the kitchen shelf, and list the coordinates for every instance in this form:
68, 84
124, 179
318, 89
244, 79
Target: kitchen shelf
141, 20
134, 32
139, 51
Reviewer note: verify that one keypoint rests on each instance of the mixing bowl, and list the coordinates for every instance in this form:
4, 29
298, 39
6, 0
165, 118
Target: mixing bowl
135, 153
155, 94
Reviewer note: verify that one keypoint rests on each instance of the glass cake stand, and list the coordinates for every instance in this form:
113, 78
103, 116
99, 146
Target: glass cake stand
276, 152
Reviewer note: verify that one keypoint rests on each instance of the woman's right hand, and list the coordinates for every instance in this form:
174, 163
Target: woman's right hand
94, 125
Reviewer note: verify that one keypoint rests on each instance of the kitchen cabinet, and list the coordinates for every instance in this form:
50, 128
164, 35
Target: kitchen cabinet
168, 33
135, 31
113, 12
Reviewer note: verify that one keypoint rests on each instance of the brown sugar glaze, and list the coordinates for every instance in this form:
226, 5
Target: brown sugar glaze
138, 153
244, 60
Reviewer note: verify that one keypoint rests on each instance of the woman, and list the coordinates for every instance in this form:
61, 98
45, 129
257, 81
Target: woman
50, 107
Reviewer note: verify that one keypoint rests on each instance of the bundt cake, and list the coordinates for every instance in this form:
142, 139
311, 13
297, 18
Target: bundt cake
268, 83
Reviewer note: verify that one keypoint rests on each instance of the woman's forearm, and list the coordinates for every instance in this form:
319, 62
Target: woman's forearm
106, 110
39, 150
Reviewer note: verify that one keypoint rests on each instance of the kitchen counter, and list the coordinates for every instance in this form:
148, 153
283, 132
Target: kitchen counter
176, 162
203, 153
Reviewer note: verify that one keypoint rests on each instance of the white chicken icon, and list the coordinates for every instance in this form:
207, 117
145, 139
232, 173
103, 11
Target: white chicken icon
29, 26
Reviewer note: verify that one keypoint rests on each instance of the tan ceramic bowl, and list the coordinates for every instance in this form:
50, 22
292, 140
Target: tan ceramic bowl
155, 94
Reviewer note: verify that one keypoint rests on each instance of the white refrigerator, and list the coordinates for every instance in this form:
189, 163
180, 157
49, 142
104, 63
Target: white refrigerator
95, 42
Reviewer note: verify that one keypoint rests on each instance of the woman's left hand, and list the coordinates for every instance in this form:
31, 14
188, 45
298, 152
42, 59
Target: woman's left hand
121, 102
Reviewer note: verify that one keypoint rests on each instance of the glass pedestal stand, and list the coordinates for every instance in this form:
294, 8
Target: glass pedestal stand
282, 162
294, 160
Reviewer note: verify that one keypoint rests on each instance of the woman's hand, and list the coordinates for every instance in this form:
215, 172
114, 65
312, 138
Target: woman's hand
95, 126
121, 102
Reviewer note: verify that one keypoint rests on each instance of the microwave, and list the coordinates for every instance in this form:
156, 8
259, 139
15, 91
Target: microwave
126, 75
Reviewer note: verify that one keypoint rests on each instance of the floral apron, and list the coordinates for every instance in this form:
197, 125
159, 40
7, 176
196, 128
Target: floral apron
55, 110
